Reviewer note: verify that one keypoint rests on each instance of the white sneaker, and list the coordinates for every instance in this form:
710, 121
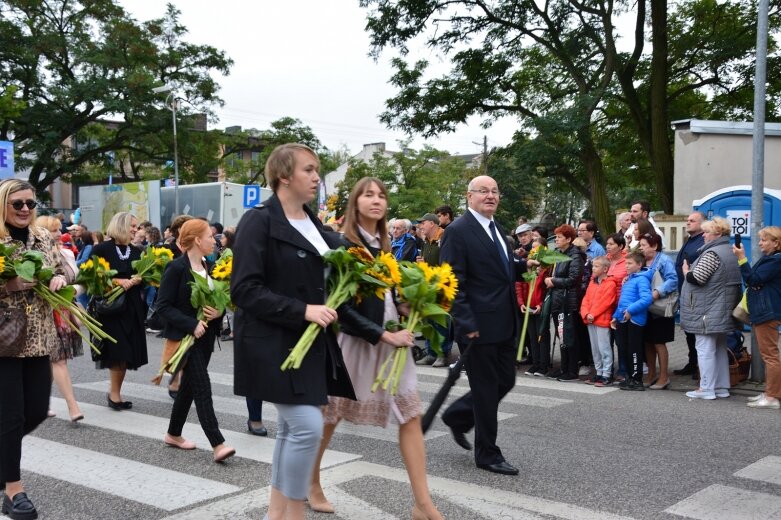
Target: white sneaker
765, 403
722, 393
701, 394
755, 398
584, 371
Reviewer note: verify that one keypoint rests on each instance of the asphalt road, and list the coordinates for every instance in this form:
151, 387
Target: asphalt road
582, 453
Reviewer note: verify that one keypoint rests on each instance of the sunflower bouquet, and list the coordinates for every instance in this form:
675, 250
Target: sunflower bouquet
429, 291
355, 273
95, 275
29, 267
202, 295
149, 268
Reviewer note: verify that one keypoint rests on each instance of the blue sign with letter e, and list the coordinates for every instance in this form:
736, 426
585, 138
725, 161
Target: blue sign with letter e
251, 195
6, 160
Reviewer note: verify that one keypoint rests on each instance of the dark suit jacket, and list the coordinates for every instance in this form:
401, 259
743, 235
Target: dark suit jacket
173, 303
485, 301
276, 274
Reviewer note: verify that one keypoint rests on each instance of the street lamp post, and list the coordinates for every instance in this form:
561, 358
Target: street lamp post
172, 108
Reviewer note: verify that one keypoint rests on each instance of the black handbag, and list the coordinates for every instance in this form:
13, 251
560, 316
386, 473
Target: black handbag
13, 330
101, 306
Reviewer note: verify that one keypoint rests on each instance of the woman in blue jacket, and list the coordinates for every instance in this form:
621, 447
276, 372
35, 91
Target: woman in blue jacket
763, 295
659, 330
629, 318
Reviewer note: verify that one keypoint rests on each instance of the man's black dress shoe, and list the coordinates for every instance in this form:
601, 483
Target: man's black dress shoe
122, 405
20, 508
461, 439
261, 432
500, 467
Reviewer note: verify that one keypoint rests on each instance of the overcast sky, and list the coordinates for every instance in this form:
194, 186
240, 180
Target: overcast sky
306, 59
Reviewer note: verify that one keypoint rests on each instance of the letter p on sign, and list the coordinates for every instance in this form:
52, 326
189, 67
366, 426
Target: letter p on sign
251, 195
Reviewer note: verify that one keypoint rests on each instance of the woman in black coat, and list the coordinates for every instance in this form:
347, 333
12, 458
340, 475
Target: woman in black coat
174, 307
126, 325
564, 284
278, 286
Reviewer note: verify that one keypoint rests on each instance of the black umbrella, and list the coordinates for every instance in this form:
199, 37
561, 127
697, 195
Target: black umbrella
452, 376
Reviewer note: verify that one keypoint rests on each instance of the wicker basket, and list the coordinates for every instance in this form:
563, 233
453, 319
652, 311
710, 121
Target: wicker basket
738, 368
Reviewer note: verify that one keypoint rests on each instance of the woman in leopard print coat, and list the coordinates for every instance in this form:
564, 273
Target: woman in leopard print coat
25, 373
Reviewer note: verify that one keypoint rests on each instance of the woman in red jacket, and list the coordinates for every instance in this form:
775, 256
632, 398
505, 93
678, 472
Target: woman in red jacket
538, 336
596, 309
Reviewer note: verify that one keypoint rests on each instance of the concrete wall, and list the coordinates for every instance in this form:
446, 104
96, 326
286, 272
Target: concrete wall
708, 160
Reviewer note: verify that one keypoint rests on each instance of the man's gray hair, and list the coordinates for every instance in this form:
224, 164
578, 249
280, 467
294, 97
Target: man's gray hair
406, 222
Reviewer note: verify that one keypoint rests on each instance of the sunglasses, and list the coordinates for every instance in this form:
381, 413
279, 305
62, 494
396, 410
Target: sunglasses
19, 204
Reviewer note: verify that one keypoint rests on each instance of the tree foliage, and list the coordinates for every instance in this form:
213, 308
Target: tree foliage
74, 65
557, 68
418, 181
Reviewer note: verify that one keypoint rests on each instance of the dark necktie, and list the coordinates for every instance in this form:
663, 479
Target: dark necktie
499, 246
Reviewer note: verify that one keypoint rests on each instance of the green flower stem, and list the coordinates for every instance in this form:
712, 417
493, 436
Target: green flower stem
114, 293
301, 348
381, 374
398, 358
80, 333
526, 317
57, 302
184, 345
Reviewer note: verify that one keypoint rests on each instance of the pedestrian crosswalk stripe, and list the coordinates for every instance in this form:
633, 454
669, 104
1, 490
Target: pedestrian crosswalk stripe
719, 502
353, 508
766, 470
237, 406
528, 382
260, 449
151, 485
492, 499
244, 506
539, 401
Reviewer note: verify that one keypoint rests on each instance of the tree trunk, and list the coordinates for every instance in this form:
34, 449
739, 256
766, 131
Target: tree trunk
661, 147
595, 171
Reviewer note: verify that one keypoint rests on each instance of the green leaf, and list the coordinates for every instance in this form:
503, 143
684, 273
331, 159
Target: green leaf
25, 270
45, 275
432, 309
393, 326
68, 292
550, 256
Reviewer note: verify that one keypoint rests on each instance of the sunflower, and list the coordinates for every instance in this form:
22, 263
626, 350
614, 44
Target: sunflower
86, 266
164, 252
361, 255
2, 264
391, 266
448, 283
222, 271
428, 271
103, 264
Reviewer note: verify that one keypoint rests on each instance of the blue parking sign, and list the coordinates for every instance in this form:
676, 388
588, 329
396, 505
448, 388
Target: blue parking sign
251, 195
6, 160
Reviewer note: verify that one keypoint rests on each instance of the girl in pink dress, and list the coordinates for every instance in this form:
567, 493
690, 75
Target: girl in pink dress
365, 346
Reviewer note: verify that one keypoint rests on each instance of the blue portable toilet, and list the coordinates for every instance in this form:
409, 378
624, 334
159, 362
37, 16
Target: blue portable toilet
734, 204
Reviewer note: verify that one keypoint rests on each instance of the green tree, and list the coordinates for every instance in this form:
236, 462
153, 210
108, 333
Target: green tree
525, 59
417, 180
83, 72
556, 67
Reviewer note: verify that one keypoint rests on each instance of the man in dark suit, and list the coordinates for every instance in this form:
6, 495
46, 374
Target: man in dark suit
486, 315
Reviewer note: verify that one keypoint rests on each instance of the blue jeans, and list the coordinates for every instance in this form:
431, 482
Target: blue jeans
255, 409
299, 430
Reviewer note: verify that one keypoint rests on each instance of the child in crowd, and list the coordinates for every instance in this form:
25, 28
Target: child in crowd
629, 318
596, 309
